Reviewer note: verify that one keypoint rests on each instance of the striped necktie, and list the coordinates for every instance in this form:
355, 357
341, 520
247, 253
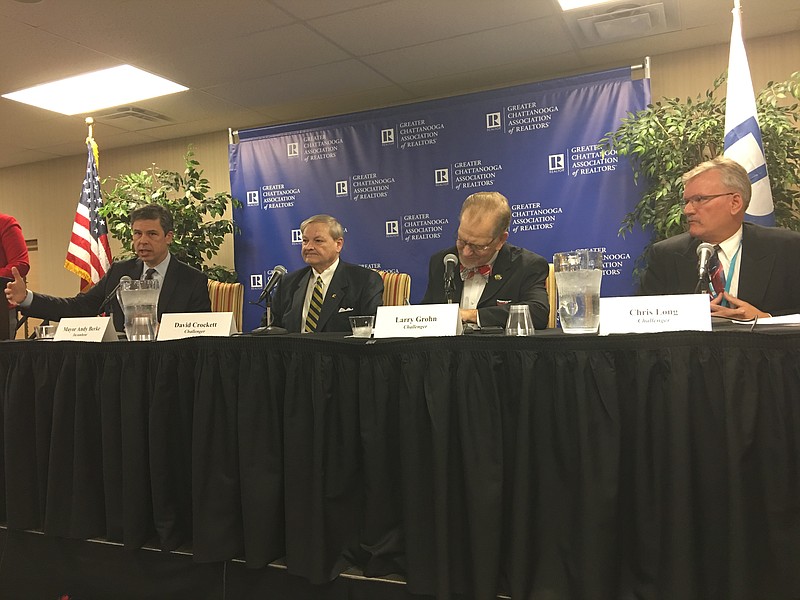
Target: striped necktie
716, 273
314, 307
150, 274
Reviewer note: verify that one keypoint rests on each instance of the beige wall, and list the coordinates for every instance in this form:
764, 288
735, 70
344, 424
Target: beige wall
43, 196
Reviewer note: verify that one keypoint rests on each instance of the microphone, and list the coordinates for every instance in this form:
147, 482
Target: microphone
450, 261
108, 299
704, 252
277, 273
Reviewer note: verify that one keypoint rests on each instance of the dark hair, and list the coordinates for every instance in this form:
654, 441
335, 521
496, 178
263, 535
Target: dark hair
151, 212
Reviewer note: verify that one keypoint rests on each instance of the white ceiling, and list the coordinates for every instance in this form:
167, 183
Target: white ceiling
257, 62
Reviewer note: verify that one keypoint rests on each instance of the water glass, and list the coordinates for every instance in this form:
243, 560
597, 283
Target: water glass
578, 277
45, 332
362, 326
519, 320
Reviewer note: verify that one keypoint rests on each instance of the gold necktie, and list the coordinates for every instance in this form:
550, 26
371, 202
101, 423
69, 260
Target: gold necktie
314, 307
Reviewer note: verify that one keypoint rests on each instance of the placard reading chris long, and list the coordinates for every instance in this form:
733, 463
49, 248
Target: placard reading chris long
396, 178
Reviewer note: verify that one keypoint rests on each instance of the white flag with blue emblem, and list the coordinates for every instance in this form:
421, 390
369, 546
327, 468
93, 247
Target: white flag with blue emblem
742, 134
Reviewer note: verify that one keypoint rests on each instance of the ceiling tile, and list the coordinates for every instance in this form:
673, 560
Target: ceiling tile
401, 23
473, 52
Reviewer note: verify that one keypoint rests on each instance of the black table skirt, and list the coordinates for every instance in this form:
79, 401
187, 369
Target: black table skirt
652, 466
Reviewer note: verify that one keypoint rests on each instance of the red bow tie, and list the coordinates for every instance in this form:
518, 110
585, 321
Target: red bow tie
483, 271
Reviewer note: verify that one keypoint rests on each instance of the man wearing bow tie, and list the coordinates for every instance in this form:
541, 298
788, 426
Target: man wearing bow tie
491, 273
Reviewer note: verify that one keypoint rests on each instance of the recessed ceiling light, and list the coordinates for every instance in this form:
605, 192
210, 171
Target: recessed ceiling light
94, 91
573, 4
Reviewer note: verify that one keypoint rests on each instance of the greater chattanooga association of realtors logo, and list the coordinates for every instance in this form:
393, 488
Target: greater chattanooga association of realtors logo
529, 116
274, 195
592, 159
365, 186
442, 176
369, 186
423, 227
493, 121
256, 281
532, 216
416, 133
474, 174
583, 160
297, 237
316, 146
392, 229
387, 137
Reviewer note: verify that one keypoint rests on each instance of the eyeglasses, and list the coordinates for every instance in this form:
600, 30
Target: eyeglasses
698, 200
476, 248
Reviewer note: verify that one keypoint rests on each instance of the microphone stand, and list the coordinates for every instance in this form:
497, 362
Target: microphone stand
269, 329
449, 289
703, 286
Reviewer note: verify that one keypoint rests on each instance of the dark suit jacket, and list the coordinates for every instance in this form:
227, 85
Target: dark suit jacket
353, 291
768, 276
518, 277
185, 289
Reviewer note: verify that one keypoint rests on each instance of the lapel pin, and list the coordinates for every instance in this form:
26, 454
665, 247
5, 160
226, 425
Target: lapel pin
498, 277
333, 295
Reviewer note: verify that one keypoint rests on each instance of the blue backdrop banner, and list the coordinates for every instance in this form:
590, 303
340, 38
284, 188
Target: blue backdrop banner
395, 178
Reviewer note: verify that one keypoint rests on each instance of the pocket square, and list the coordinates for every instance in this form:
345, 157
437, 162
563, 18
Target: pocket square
345, 310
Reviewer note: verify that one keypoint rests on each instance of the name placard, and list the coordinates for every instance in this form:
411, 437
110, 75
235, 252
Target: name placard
176, 326
653, 314
86, 329
426, 320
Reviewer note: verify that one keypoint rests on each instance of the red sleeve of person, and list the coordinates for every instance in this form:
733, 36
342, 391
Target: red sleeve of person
13, 251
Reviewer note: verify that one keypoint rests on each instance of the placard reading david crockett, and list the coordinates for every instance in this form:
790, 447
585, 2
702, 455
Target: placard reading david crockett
194, 326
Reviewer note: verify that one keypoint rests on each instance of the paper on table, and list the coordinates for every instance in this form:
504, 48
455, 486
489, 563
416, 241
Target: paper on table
782, 320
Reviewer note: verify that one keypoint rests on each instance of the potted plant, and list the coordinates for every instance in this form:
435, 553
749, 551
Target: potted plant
670, 137
198, 215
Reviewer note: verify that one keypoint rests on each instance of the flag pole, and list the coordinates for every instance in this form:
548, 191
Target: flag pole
88, 252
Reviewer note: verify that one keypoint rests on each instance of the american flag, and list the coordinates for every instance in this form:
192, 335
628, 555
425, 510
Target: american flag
89, 255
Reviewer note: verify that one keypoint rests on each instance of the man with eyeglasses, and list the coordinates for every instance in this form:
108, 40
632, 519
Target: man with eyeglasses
491, 274
754, 269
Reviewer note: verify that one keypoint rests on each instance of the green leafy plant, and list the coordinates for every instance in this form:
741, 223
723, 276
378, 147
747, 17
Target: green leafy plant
199, 226
670, 137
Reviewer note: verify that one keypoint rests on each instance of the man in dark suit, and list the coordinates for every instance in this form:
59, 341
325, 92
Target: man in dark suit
491, 274
322, 296
758, 264
181, 288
